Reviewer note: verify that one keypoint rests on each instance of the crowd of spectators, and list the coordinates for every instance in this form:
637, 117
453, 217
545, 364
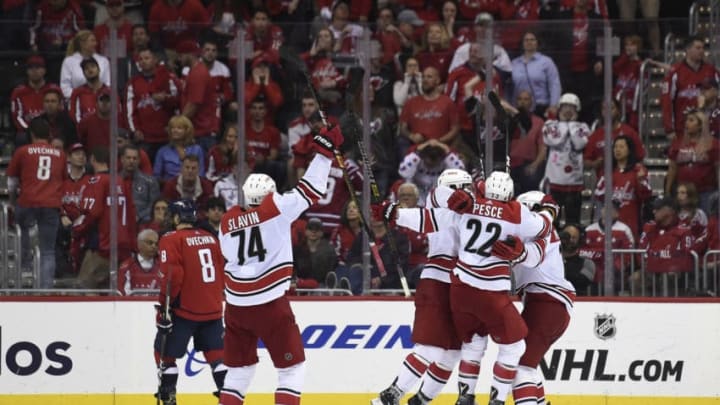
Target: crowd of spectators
177, 114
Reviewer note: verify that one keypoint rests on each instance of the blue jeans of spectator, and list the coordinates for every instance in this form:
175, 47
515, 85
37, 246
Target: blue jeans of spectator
48, 222
353, 273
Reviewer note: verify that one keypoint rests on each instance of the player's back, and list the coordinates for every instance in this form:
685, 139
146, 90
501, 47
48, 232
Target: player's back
490, 221
196, 253
257, 246
548, 276
442, 245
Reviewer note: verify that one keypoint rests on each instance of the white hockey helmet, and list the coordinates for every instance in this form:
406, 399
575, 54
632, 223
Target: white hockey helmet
571, 99
455, 179
531, 199
256, 187
499, 186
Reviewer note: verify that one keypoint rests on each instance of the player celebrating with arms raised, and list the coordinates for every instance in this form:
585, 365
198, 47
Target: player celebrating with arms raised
256, 242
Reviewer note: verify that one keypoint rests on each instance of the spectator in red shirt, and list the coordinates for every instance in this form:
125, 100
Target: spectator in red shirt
594, 150
329, 81
431, 115
172, 21
61, 125
344, 234
189, 185
94, 223
141, 270
56, 23
220, 75
83, 99
709, 103
222, 157
682, 85
388, 35
527, 148
69, 248
687, 199
38, 171
199, 100
263, 142
116, 18
626, 69
436, 51
266, 37
94, 129
26, 100
160, 221
152, 96
629, 181
667, 241
694, 158
346, 34
261, 84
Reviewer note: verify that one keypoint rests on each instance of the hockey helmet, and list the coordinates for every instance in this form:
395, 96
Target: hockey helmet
531, 199
185, 210
499, 186
455, 179
256, 187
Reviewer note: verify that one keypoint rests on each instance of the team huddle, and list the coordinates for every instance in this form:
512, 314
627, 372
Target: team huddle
479, 236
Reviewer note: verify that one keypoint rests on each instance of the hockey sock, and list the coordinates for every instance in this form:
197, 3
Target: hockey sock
540, 392
524, 389
411, 371
237, 381
434, 380
219, 372
168, 382
468, 372
290, 383
505, 368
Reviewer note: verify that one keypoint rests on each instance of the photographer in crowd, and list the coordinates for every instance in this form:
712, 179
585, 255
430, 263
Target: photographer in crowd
578, 270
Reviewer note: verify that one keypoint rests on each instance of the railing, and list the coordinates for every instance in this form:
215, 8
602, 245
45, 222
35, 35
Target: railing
711, 266
624, 279
694, 19
642, 99
658, 284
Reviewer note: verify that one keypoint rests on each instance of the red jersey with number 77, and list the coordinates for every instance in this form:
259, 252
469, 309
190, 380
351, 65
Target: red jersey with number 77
193, 261
41, 170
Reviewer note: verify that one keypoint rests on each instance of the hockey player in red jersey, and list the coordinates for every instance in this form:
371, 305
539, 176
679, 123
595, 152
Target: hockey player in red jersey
547, 300
437, 347
256, 242
191, 273
479, 297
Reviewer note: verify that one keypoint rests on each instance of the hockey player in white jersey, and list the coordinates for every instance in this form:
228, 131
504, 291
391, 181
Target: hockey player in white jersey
547, 300
256, 242
437, 347
480, 302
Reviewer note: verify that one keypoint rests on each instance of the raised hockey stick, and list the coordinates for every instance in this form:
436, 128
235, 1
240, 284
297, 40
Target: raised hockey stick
300, 65
505, 119
375, 190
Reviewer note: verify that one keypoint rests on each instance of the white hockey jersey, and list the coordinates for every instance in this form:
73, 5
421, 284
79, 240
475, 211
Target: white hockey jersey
413, 169
489, 221
257, 242
543, 271
565, 141
442, 245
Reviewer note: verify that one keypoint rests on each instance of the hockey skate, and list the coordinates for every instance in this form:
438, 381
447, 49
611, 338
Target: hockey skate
389, 396
419, 399
166, 398
466, 399
496, 402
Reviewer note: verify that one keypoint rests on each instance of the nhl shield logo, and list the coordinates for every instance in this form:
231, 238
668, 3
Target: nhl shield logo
605, 326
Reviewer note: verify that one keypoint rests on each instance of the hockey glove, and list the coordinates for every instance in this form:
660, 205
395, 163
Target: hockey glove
548, 204
461, 201
386, 211
511, 249
164, 323
328, 141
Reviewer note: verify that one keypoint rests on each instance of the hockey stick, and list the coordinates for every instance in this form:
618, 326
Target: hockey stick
300, 65
505, 119
165, 314
377, 197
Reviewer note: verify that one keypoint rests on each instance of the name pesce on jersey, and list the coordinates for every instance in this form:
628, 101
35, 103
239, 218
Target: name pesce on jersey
488, 211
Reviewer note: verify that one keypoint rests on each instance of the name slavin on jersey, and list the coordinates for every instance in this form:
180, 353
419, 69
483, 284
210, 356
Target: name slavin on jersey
42, 150
243, 221
200, 240
488, 211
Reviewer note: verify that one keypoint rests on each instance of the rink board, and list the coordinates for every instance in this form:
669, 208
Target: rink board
100, 352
